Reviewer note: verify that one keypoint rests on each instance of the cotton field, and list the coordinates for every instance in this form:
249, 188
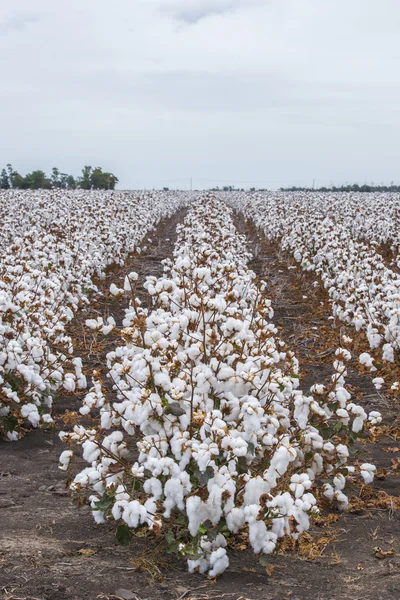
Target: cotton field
147, 335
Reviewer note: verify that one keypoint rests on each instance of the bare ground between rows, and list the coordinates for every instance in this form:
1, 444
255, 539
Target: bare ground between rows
50, 549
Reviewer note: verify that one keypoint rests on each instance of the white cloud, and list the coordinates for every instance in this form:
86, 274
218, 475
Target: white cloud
264, 91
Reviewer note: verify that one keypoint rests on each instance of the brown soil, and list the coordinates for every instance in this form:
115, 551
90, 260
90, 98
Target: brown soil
52, 550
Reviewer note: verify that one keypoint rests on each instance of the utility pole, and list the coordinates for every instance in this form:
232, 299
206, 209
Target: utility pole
313, 184
191, 183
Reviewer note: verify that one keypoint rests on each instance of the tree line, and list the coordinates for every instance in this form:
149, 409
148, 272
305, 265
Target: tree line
90, 179
355, 187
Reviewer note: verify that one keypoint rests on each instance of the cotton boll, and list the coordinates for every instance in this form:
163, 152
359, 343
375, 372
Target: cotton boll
69, 382
367, 472
30, 412
65, 458
91, 451
388, 353
378, 382
129, 281
115, 291
342, 500
366, 359
219, 561
134, 514
234, 520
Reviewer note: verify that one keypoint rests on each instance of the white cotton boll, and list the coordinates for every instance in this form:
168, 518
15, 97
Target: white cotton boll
94, 323
195, 513
339, 482
118, 508
366, 359
343, 415
193, 351
106, 329
69, 382
378, 382
367, 472
219, 561
162, 379
81, 382
153, 487
134, 514
91, 451
342, 395
342, 500
234, 519
30, 412
225, 373
375, 417
137, 470
360, 417
56, 376
98, 517
342, 452
343, 353
318, 388
258, 536
115, 291
129, 281
388, 353
65, 458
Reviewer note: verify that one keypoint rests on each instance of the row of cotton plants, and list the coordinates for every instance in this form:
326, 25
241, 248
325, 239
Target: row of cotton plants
313, 229
52, 245
206, 436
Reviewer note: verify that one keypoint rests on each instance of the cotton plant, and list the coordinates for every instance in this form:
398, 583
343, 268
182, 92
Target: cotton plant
206, 434
51, 258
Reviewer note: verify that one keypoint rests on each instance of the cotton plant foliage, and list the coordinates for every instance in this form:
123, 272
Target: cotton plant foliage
206, 434
50, 254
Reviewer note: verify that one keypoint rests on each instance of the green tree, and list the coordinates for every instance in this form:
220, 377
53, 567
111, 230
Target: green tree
4, 181
37, 180
55, 177
17, 181
85, 182
67, 182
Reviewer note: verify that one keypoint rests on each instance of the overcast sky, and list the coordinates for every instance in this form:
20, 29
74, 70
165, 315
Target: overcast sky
248, 92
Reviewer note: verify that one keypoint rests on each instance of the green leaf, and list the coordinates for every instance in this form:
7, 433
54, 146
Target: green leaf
242, 465
201, 530
250, 447
326, 433
338, 426
123, 535
105, 503
181, 520
10, 423
169, 537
